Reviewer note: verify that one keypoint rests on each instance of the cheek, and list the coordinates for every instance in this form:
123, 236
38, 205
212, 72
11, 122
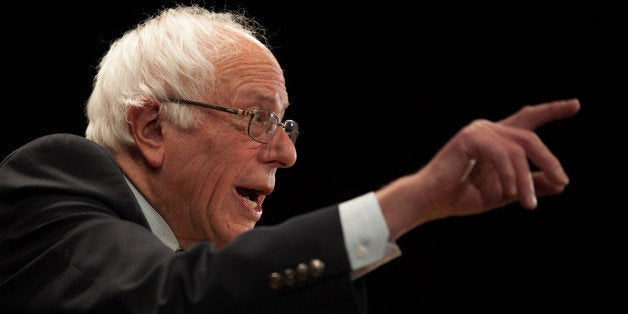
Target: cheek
208, 167
226, 217
216, 178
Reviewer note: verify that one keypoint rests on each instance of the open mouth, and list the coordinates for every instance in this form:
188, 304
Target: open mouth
252, 197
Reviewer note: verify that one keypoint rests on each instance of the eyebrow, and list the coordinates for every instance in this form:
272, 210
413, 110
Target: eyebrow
264, 98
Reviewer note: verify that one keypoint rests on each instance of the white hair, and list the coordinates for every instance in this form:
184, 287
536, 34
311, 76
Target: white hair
169, 55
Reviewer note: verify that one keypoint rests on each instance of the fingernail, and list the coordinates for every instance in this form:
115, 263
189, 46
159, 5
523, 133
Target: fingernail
560, 173
533, 199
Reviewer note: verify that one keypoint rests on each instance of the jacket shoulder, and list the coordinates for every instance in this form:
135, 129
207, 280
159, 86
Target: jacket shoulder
66, 164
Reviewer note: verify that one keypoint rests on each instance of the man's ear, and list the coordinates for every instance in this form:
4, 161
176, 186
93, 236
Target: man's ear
146, 128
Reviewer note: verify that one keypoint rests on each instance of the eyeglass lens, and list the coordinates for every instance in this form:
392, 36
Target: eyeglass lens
263, 126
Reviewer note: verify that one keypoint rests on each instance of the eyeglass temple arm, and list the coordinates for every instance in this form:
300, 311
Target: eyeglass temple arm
239, 112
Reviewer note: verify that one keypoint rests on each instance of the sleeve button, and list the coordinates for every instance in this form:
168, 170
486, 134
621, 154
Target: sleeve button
275, 281
316, 267
302, 272
289, 277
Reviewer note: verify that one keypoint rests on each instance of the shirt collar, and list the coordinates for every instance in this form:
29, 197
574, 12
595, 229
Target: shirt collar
157, 224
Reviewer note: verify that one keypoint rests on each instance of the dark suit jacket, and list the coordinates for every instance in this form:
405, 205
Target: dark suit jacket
73, 239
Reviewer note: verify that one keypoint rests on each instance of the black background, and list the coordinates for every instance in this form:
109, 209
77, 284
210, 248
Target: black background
377, 89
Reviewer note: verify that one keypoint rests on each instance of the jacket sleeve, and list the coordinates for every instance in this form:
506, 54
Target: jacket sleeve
73, 239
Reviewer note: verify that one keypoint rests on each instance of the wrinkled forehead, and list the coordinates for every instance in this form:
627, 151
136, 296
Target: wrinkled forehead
252, 72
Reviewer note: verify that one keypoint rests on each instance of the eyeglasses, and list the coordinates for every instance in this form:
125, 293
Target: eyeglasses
262, 124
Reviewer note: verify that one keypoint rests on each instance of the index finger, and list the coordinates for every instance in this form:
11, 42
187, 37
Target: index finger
532, 116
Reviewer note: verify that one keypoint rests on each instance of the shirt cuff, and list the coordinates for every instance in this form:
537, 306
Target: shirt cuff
366, 234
